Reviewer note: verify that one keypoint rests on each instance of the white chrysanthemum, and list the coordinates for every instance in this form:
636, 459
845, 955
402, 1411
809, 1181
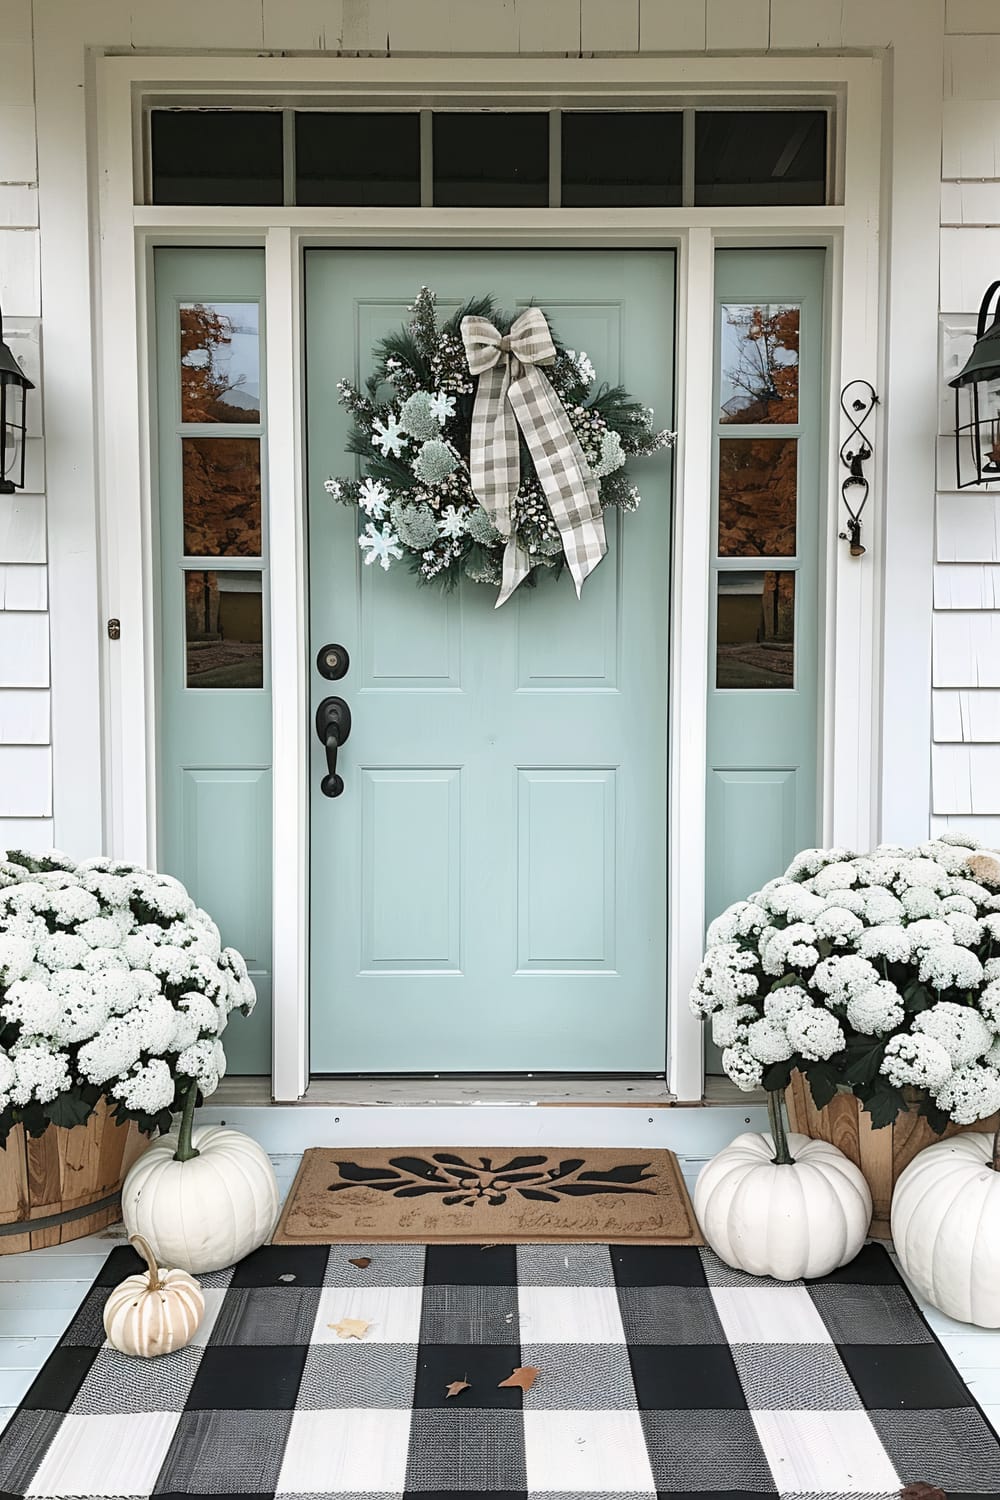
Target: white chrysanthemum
968, 930
991, 924
794, 902
970, 1094
991, 969
751, 918
731, 1025
810, 861
881, 906
877, 1011
958, 903
39, 1073
922, 872
789, 947
170, 963
784, 1002
95, 960
83, 1013
832, 878
100, 932
838, 924
196, 1016
928, 932
949, 965
988, 999
200, 1061
816, 1033
768, 1042
916, 1060
845, 978
742, 1067
111, 890
961, 1031
724, 978
32, 1005
920, 901
138, 950
72, 905
150, 1087
892, 943
977, 894
17, 955
114, 1050
62, 950
30, 896
723, 929
846, 900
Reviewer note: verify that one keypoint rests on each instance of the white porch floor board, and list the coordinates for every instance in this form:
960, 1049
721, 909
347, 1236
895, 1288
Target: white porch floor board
40, 1291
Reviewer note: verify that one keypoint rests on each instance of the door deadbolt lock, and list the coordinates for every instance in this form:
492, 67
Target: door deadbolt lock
332, 662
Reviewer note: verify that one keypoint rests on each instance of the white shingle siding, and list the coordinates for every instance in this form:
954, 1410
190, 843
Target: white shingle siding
966, 659
25, 756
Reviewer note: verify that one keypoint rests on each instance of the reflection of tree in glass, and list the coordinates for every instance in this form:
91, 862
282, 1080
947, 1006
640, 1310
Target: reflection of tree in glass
221, 480
757, 489
765, 378
205, 379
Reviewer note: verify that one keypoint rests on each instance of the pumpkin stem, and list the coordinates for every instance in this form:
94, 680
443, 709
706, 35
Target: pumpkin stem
145, 1250
782, 1156
185, 1150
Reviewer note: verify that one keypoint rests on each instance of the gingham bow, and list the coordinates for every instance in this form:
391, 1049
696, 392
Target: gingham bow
513, 392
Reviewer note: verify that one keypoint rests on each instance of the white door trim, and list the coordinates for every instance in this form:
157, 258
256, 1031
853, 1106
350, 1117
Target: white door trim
852, 632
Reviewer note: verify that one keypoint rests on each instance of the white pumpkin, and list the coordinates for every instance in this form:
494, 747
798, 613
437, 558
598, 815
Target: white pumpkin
207, 1212
799, 1220
154, 1312
946, 1227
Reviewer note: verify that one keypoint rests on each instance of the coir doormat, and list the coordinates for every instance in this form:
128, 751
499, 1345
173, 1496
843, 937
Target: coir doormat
570, 1372
491, 1196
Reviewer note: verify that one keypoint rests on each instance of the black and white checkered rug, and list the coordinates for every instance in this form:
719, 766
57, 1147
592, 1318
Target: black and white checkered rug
662, 1373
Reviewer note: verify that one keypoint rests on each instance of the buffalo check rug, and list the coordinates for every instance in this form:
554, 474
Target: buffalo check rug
660, 1373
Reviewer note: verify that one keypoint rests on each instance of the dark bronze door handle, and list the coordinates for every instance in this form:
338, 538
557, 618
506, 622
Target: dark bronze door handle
333, 726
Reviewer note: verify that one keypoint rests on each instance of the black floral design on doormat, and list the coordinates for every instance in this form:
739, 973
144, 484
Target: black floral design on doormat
458, 1181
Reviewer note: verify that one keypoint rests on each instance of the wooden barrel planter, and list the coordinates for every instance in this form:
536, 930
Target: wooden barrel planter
65, 1183
881, 1154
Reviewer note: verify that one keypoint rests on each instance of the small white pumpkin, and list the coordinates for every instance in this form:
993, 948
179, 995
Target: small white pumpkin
207, 1212
801, 1219
154, 1312
945, 1222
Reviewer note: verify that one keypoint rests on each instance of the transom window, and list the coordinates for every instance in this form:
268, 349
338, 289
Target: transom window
583, 158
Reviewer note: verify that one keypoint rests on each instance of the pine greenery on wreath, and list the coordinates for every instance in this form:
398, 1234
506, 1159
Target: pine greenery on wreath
412, 431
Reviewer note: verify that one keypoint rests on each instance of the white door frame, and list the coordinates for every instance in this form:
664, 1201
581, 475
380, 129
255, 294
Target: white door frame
127, 232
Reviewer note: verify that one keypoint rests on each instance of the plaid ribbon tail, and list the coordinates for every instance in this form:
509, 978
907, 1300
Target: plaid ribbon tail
513, 392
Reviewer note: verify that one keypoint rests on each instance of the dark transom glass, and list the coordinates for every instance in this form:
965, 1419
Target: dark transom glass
355, 156
622, 158
760, 156
485, 158
217, 156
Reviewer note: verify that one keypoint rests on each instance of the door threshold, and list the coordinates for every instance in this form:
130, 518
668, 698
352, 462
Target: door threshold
470, 1090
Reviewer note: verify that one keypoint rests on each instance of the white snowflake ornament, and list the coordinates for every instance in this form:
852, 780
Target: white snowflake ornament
452, 522
388, 436
380, 545
373, 497
442, 406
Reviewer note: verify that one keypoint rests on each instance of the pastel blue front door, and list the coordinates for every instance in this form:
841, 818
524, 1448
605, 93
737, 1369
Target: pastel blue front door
489, 892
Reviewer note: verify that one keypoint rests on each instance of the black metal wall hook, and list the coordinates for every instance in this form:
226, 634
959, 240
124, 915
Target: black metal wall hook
857, 401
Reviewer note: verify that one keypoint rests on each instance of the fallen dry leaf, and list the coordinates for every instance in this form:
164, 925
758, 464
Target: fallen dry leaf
457, 1387
350, 1328
523, 1378
362, 1262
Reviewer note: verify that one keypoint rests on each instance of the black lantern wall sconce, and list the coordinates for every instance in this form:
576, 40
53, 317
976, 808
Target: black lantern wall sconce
977, 401
13, 385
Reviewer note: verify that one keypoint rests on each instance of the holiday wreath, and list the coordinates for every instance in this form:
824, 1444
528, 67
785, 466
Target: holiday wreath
488, 449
